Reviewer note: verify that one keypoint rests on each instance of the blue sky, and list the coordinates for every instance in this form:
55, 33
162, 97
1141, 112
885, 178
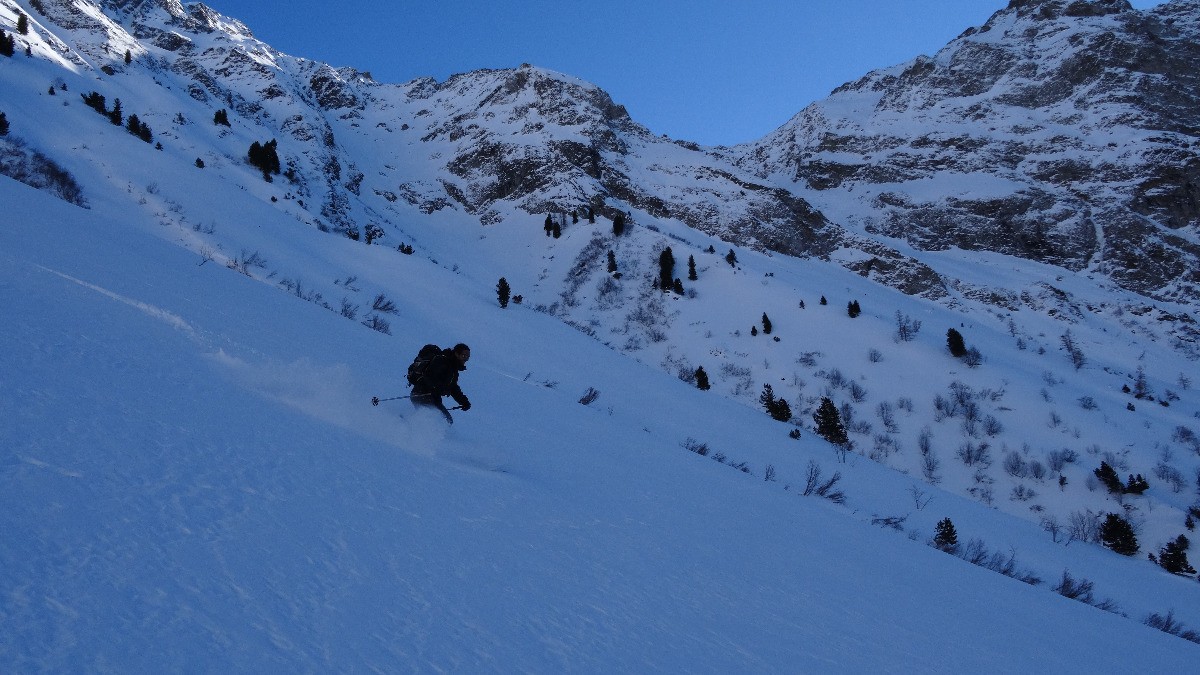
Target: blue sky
710, 71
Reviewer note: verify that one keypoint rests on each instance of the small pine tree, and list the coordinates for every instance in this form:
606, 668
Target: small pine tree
199, 163
264, 157
692, 268
612, 262
731, 258
1140, 388
824, 301
1173, 556
945, 537
829, 423
1117, 534
781, 411
502, 291
221, 117
548, 224
754, 331
702, 379
22, 23
1109, 477
1136, 485
619, 225
777, 408
766, 324
955, 343
3, 125
115, 115
853, 310
666, 269
8, 44
128, 57
677, 286
557, 232
767, 397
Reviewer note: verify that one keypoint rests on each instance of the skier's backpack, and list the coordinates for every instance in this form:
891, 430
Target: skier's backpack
416, 371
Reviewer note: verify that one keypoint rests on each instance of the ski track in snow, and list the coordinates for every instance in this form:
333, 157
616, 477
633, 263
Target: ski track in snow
327, 392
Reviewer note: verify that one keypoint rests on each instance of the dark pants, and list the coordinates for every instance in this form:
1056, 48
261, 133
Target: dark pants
431, 401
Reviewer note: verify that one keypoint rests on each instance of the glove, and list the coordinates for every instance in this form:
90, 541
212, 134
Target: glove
466, 406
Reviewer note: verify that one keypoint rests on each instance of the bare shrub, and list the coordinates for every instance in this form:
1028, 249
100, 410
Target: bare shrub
692, 445
906, 327
975, 453
1083, 526
1014, 465
378, 323
1059, 459
1073, 351
813, 485
887, 417
1171, 476
383, 305
589, 396
244, 262
1169, 625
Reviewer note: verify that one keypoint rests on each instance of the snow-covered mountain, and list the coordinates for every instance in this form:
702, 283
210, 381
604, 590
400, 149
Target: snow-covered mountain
398, 207
1059, 131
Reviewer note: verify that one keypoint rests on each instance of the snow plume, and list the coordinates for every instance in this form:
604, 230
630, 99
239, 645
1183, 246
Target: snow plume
330, 393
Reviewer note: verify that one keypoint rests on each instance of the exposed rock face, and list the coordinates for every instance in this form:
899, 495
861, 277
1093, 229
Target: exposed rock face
1063, 132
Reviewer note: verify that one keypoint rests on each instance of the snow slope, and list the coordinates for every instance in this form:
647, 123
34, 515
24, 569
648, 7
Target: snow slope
192, 476
193, 479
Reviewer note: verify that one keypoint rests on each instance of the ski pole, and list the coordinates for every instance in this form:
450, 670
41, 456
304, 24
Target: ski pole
375, 400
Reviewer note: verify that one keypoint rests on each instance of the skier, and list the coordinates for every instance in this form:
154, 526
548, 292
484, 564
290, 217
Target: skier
440, 378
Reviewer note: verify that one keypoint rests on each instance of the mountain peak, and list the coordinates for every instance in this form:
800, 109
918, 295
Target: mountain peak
1052, 9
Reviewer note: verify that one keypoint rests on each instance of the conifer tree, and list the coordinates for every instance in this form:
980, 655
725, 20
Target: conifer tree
128, 57
666, 269
1117, 534
692, 268
945, 537
115, 115
502, 291
3, 125
766, 324
702, 379
619, 225
221, 117
22, 23
777, 408
8, 44
954, 342
853, 310
677, 286
548, 224
1173, 556
829, 423
731, 258
824, 301
612, 261
1109, 477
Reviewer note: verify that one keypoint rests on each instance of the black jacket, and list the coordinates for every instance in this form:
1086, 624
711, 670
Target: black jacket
441, 379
